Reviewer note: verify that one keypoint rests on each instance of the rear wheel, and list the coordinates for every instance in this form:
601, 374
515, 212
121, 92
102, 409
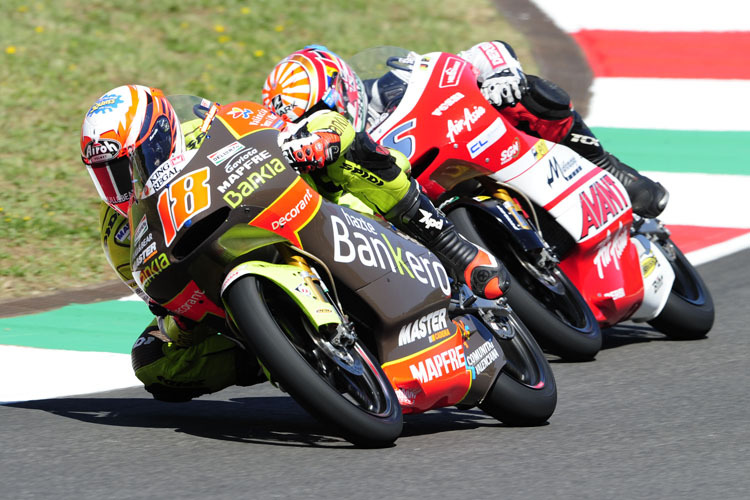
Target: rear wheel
689, 312
545, 299
525, 393
342, 386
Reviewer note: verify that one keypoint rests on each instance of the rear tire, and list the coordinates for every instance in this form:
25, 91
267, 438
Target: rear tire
525, 392
689, 313
359, 401
547, 301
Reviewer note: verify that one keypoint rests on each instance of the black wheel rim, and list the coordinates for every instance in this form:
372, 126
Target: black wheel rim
360, 383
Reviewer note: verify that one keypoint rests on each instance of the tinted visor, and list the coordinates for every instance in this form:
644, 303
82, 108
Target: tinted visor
112, 180
155, 150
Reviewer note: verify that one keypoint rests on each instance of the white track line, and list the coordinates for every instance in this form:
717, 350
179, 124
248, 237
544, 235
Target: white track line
28, 373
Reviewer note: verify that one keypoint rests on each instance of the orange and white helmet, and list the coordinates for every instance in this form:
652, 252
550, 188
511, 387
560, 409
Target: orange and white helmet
128, 126
315, 78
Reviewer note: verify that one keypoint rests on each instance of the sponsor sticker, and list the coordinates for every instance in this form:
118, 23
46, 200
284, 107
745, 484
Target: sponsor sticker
374, 249
218, 157
101, 150
489, 136
430, 325
455, 127
105, 104
451, 72
445, 105
600, 200
443, 363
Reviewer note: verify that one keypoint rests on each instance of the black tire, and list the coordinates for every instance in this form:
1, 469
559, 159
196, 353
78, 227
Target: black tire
689, 313
525, 393
362, 407
547, 302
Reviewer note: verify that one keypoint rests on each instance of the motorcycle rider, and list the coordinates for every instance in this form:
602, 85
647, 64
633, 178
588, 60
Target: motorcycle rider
133, 125
175, 359
531, 103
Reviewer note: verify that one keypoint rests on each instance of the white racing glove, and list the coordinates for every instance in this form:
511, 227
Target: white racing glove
500, 75
504, 88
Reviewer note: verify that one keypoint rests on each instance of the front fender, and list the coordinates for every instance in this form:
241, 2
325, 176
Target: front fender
292, 280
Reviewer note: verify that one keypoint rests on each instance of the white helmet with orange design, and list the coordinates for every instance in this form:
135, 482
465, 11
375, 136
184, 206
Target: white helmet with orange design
128, 124
315, 78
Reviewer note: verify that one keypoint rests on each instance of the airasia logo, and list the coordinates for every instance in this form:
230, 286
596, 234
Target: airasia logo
611, 251
456, 127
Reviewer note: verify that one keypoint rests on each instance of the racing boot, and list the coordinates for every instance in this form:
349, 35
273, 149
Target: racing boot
478, 269
647, 197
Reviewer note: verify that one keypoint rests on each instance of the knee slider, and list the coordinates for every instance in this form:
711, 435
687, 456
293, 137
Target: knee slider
546, 100
147, 349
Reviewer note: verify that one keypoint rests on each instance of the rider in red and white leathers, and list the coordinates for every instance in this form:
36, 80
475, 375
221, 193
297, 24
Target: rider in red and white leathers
535, 106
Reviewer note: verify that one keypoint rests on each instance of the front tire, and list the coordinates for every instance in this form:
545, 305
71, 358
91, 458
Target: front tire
546, 300
689, 312
358, 399
525, 392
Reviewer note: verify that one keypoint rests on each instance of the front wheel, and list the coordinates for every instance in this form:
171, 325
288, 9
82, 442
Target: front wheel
525, 392
689, 311
545, 299
342, 386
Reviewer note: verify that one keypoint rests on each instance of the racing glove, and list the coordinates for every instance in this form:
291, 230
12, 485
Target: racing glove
504, 88
308, 151
499, 73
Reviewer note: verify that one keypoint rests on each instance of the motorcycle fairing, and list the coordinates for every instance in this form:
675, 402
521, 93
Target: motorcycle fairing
658, 278
587, 202
459, 369
177, 220
458, 119
288, 214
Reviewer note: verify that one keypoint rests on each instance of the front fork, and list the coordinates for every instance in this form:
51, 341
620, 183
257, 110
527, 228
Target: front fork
343, 334
544, 256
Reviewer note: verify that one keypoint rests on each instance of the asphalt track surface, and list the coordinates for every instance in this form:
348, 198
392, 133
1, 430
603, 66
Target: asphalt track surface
649, 418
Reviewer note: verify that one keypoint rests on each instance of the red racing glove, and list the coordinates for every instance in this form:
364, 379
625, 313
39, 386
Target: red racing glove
309, 151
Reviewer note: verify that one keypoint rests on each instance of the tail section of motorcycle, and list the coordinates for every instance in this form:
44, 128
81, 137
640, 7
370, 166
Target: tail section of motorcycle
476, 353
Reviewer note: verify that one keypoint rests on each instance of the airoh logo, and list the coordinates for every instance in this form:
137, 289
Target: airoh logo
101, 150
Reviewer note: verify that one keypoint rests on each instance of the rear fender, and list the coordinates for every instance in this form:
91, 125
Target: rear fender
291, 279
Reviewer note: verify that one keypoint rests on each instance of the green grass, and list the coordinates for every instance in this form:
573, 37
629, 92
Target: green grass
57, 57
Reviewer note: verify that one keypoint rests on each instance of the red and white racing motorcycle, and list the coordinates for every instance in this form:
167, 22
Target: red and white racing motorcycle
579, 257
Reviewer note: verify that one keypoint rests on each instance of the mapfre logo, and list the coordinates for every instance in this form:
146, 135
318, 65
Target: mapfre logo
451, 72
